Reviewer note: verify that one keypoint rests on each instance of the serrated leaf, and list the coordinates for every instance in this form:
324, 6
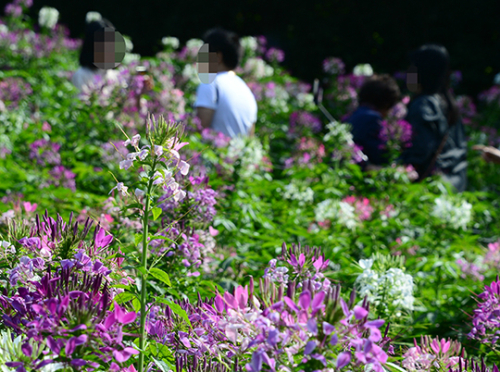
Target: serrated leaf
160, 275
156, 213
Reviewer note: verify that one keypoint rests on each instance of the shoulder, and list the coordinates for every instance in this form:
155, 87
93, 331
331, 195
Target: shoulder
364, 114
424, 102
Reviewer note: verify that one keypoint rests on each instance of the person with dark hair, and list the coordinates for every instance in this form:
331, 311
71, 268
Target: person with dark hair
438, 140
88, 70
225, 104
376, 97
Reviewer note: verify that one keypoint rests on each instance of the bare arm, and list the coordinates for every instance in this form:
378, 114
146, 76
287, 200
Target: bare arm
490, 154
205, 115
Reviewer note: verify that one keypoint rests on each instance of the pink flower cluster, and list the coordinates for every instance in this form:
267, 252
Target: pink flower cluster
362, 206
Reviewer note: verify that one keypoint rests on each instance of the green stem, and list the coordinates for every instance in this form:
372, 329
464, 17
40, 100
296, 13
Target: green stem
144, 259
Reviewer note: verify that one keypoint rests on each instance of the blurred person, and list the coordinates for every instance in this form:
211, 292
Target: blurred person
227, 104
438, 140
377, 96
88, 70
490, 153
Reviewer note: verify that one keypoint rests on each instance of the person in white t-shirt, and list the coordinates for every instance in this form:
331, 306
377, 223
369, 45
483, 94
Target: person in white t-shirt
226, 104
87, 72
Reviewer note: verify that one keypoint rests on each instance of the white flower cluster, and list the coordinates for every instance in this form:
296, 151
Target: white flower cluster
129, 46
258, 68
48, 17
194, 43
170, 41
340, 131
393, 289
249, 43
280, 100
131, 57
249, 151
363, 70
190, 72
3, 29
338, 211
93, 16
164, 177
293, 192
6, 216
305, 100
453, 212
7, 247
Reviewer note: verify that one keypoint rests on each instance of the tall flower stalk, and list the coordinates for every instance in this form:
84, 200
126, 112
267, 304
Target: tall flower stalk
160, 161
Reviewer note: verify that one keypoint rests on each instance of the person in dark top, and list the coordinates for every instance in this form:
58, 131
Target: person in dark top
438, 139
376, 97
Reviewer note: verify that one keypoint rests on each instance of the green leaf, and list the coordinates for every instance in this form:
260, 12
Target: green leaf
121, 286
156, 213
160, 275
137, 238
176, 309
163, 366
161, 237
123, 297
136, 304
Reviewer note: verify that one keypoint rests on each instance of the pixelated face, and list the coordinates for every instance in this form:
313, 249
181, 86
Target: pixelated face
412, 79
109, 48
207, 64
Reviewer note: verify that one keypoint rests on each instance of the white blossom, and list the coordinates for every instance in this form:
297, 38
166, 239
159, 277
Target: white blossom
392, 288
338, 211
129, 46
93, 16
190, 72
184, 168
170, 41
134, 141
453, 212
121, 188
126, 164
139, 193
363, 70
303, 196
194, 43
158, 150
48, 17
258, 68
249, 43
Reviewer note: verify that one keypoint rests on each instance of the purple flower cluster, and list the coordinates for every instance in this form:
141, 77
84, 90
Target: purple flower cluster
433, 354
66, 312
486, 320
110, 155
45, 152
333, 66
470, 269
13, 91
467, 109
275, 55
62, 177
200, 201
396, 134
300, 120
